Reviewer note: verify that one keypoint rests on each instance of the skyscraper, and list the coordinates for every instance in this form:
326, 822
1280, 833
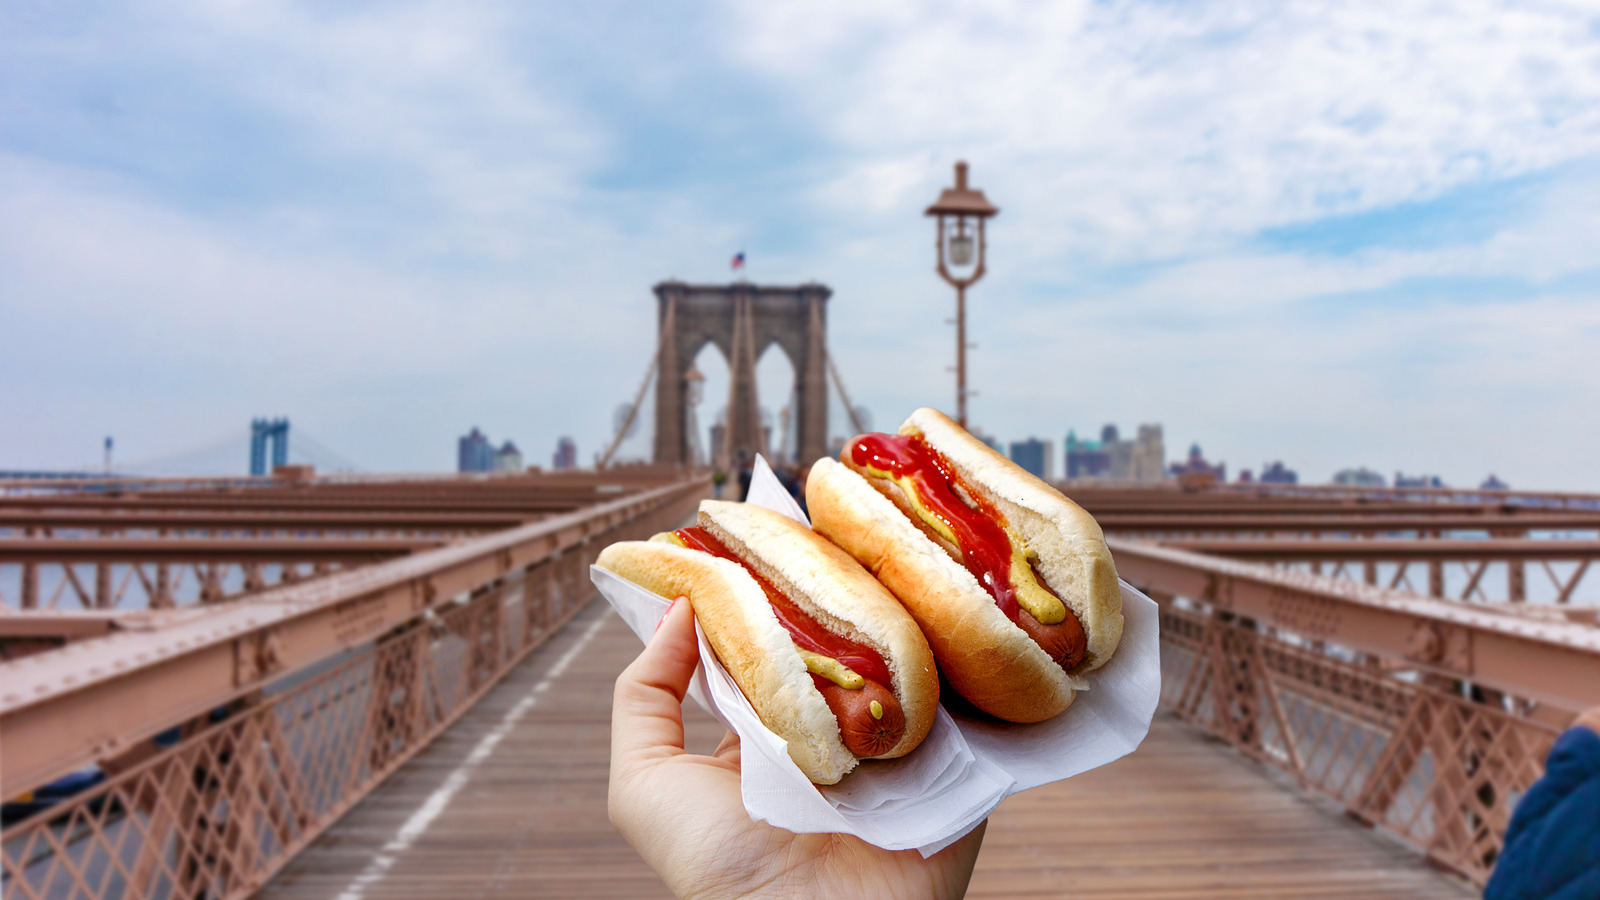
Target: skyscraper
1277, 473
1034, 455
1197, 466
1141, 459
509, 459
474, 453
566, 455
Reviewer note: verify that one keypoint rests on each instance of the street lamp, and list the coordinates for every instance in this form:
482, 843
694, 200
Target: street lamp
954, 208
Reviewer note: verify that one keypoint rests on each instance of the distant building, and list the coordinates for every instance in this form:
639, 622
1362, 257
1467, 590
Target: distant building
509, 459
1197, 466
1493, 484
1086, 459
1277, 473
474, 453
1036, 456
1245, 477
1417, 481
1141, 459
566, 455
1359, 477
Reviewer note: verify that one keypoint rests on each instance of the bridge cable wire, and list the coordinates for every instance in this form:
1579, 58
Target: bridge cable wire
198, 453
223, 455
855, 422
319, 454
638, 400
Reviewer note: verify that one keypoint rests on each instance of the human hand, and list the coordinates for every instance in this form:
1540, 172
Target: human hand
683, 812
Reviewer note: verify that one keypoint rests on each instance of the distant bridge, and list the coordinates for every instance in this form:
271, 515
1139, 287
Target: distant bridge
239, 661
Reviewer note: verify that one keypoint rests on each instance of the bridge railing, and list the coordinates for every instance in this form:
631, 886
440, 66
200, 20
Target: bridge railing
1451, 495
118, 544
1544, 570
1439, 771
1425, 719
287, 708
1351, 498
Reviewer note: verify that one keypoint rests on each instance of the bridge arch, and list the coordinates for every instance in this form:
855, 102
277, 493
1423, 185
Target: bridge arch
742, 320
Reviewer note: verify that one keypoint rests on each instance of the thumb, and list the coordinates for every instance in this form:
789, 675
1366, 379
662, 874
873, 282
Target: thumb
647, 706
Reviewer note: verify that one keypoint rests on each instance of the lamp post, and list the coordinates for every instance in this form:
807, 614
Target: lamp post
953, 209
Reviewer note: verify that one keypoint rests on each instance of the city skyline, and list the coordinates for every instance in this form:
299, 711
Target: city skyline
1341, 236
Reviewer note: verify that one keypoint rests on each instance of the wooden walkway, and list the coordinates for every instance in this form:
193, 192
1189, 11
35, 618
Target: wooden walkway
512, 802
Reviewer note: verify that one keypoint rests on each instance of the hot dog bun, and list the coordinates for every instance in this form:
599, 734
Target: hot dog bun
985, 656
758, 652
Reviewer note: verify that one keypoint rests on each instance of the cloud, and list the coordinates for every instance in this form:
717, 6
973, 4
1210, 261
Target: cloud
394, 222
1138, 130
148, 321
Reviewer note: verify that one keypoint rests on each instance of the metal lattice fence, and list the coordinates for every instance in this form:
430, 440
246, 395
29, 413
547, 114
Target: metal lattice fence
1436, 769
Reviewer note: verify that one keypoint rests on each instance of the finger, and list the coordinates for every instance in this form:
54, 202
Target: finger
647, 706
728, 750
958, 860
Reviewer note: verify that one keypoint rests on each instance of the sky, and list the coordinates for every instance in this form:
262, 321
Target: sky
1333, 234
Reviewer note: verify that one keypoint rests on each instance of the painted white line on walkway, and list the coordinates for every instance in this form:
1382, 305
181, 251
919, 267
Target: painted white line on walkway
430, 809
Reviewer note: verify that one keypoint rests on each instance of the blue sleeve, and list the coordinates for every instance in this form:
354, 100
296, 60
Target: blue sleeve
1552, 849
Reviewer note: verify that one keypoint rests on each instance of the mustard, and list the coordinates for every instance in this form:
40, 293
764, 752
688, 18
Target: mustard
1044, 606
833, 670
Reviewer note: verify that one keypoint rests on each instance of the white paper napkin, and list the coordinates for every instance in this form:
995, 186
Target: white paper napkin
968, 763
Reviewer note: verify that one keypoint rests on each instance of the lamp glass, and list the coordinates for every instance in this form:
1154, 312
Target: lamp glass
961, 250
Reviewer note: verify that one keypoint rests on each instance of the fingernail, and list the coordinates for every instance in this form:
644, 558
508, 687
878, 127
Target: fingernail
667, 613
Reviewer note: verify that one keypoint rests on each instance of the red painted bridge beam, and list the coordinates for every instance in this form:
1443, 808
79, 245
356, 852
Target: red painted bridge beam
1389, 550
210, 519
1454, 521
207, 550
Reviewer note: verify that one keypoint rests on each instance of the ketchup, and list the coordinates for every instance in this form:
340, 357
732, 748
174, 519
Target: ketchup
985, 546
807, 633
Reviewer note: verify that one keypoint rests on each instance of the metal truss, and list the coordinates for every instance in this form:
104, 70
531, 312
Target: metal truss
246, 658
1426, 719
235, 732
1413, 757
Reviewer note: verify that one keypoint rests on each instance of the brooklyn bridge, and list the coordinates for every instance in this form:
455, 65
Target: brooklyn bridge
364, 655
297, 685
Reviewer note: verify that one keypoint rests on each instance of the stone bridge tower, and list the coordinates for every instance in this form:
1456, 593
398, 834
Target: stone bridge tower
741, 319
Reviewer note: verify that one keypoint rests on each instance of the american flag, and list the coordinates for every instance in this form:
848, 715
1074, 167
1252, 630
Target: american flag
738, 261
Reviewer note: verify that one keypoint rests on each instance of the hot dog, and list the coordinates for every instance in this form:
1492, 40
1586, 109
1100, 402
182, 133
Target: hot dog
1010, 581
829, 660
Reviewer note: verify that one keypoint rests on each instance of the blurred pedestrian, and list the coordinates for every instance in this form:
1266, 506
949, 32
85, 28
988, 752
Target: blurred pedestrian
798, 486
1552, 848
746, 467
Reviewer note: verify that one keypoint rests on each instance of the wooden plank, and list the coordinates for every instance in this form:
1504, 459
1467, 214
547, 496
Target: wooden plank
1188, 817
1183, 817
